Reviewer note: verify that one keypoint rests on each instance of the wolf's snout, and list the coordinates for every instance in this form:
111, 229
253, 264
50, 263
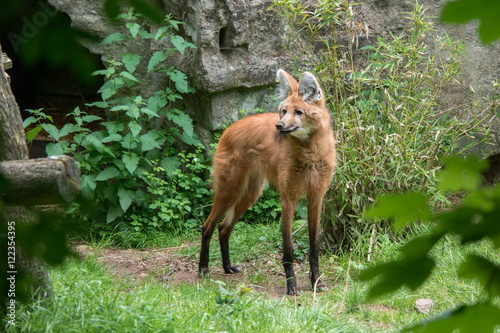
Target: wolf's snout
280, 125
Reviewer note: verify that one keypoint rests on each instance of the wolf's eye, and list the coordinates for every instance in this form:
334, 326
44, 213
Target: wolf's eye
299, 112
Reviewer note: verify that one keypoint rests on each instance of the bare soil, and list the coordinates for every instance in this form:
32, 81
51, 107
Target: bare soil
172, 266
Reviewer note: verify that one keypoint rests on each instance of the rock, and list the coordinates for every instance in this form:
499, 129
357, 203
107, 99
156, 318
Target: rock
239, 50
424, 305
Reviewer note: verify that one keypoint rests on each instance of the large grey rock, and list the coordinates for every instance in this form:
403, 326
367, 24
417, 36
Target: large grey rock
238, 52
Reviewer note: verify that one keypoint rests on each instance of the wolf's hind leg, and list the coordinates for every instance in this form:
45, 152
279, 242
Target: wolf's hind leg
250, 196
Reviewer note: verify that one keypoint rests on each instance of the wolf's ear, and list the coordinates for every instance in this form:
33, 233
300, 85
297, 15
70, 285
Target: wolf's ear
286, 84
309, 88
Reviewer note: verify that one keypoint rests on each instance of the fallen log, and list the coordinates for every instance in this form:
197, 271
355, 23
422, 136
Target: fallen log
40, 181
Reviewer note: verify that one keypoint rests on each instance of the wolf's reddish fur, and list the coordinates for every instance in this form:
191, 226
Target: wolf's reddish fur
293, 150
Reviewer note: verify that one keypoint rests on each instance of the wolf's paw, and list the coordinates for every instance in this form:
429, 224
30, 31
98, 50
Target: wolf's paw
231, 269
203, 272
295, 291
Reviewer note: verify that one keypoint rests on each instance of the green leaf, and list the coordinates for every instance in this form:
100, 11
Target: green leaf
157, 102
405, 208
120, 107
131, 162
54, 149
90, 118
481, 317
129, 141
108, 173
180, 44
52, 131
146, 34
485, 271
71, 128
149, 113
133, 28
129, 76
113, 126
94, 158
161, 32
117, 36
190, 139
133, 112
113, 213
135, 128
115, 137
99, 72
461, 174
32, 133
175, 24
419, 246
185, 122
156, 58
149, 141
28, 121
125, 197
88, 186
131, 61
170, 164
395, 274
91, 141
180, 80
99, 104
486, 11
110, 192
110, 87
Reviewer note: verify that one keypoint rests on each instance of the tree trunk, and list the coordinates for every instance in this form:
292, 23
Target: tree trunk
13, 146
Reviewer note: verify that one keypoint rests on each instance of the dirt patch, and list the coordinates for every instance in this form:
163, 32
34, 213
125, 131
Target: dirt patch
171, 265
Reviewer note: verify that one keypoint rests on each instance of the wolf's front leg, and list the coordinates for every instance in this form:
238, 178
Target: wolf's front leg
287, 209
314, 204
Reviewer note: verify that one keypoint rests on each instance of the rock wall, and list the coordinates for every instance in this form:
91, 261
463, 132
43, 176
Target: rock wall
238, 52
239, 49
480, 69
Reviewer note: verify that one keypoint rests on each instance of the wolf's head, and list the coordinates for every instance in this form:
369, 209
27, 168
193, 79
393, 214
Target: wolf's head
303, 105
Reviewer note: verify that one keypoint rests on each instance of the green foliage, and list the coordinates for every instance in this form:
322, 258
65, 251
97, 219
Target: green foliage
266, 209
225, 296
37, 117
176, 202
386, 113
475, 219
486, 11
117, 162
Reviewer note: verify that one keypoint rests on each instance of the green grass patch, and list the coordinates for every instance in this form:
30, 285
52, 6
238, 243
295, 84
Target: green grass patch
90, 297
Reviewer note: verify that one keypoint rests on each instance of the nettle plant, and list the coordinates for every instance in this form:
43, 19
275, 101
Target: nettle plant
390, 125
121, 163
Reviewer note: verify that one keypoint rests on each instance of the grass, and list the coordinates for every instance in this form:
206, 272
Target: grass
88, 297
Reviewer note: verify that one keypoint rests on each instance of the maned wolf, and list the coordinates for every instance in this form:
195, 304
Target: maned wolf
293, 150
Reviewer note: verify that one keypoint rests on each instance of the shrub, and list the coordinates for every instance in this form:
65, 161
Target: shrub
129, 163
390, 127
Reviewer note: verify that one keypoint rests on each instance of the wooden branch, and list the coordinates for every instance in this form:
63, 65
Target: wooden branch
41, 181
7, 63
